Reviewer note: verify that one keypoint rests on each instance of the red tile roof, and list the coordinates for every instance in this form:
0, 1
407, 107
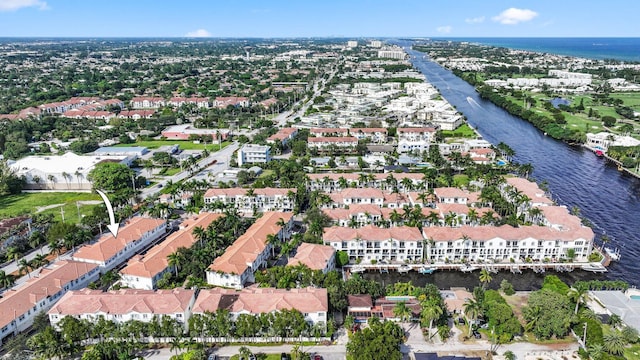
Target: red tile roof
48, 282
262, 300
246, 249
314, 256
125, 301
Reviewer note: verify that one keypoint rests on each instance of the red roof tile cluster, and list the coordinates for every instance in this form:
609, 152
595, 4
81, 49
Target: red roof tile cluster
155, 260
125, 301
108, 246
372, 233
282, 134
314, 256
246, 249
506, 232
255, 300
48, 282
233, 192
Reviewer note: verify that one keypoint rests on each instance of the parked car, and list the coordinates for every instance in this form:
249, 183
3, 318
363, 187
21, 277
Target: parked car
284, 356
317, 357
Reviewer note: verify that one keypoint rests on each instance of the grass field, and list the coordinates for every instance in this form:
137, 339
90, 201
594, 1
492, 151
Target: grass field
28, 203
184, 144
463, 131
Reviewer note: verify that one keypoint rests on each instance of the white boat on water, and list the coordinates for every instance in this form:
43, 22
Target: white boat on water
404, 268
614, 254
594, 267
468, 268
425, 269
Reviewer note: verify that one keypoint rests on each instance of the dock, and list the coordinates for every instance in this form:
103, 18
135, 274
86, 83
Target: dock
515, 268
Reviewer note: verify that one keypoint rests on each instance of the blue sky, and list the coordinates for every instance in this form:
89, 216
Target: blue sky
326, 18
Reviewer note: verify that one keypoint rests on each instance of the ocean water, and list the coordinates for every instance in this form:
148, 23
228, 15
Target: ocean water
622, 49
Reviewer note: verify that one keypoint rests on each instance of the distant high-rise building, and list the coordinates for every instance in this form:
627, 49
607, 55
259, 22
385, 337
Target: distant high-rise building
375, 43
352, 43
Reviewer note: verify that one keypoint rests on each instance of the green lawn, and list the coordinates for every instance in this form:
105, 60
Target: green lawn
170, 172
464, 131
184, 144
27, 203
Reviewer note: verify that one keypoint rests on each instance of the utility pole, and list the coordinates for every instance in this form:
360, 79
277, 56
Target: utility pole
584, 337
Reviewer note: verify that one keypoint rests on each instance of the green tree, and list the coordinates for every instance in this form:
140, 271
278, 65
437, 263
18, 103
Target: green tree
10, 182
6, 280
485, 277
556, 317
111, 177
614, 342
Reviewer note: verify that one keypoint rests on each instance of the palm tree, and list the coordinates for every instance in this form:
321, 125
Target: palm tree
614, 342
245, 353
615, 320
431, 311
56, 247
200, 234
485, 278
596, 351
13, 253
39, 260
407, 184
174, 259
6, 280
66, 177
577, 293
472, 309
52, 179
24, 267
402, 311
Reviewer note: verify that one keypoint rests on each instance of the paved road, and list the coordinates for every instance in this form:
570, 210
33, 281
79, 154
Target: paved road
318, 87
222, 157
12, 266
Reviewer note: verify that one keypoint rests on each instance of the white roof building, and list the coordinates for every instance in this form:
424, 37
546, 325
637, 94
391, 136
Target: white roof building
64, 172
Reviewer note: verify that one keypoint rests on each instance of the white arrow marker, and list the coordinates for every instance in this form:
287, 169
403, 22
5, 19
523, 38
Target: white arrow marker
114, 226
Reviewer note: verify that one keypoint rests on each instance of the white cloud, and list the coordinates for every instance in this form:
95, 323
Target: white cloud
514, 16
475, 20
444, 29
198, 33
13, 5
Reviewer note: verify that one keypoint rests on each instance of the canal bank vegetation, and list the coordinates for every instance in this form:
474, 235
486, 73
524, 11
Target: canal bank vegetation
607, 103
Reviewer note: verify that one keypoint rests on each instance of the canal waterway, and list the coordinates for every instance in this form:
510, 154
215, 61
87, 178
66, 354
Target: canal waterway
575, 176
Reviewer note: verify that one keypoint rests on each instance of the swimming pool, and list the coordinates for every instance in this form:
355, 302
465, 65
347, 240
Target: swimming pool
501, 163
634, 297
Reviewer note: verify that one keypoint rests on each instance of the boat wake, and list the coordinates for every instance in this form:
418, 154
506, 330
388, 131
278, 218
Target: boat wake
473, 102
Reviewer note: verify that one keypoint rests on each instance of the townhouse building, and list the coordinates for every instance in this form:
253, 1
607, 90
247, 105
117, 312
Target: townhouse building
124, 305
147, 102
313, 303
136, 114
109, 251
237, 266
315, 257
329, 132
334, 182
503, 243
144, 271
254, 154
248, 201
21, 304
415, 139
400, 243
236, 101
285, 135
374, 135
200, 102
333, 144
